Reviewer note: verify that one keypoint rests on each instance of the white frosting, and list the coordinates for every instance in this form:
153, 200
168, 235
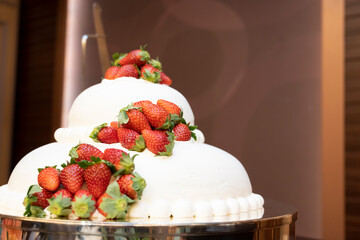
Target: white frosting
198, 180
102, 102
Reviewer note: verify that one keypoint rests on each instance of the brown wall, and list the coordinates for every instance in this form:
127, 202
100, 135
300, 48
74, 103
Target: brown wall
251, 72
39, 75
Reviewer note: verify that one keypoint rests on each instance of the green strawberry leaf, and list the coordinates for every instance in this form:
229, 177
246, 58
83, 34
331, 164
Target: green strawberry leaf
138, 185
73, 153
119, 172
151, 77
40, 169
72, 161
110, 165
122, 55
139, 144
115, 56
113, 190
36, 211
114, 208
33, 189
167, 124
96, 159
155, 63
192, 128
95, 132
27, 212
193, 135
83, 206
59, 206
127, 163
85, 164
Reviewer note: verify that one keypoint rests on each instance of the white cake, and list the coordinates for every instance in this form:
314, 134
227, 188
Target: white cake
197, 180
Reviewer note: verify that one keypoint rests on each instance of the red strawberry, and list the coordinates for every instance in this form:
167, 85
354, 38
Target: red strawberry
97, 176
164, 79
60, 202
111, 72
36, 200
120, 159
128, 70
113, 155
138, 57
132, 185
115, 124
113, 204
149, 73
157, 116
159, 142
140, 104
72, 177
131, 139
104, 134
132, 118
48, 178
84, 151
83, 204
182, 132
170, 107
64, 192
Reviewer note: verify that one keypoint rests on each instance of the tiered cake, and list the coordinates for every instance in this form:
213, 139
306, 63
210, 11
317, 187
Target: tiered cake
197, 180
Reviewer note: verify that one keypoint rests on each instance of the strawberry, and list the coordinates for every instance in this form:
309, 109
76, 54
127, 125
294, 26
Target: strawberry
170, 107
158, 117
122, 161
115, 124
164, 79
140, 104
60, 202
132, 185
113, 204
83, 204
138, 57
128, 70
64, 192
130, 117
97, 176
182, 132
111, 72
149, 73
48, 178
84, 151
159, 142
104, 134
113, 155
131, 139
72, 177
36, 201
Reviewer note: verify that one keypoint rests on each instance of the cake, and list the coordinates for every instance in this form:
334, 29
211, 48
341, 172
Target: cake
196, 180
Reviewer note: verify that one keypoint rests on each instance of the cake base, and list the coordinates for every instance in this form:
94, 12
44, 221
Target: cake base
277, 222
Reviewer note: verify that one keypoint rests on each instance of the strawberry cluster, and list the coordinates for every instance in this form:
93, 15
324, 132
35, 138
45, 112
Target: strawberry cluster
144, 124
64, 191
137, 64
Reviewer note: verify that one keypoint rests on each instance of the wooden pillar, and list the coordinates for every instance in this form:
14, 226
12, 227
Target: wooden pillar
333, 120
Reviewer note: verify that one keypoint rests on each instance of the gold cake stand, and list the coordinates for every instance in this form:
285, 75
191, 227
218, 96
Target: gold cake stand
277, 222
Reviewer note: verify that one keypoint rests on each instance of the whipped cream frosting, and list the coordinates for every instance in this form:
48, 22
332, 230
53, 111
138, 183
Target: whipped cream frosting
197, 180
102, 102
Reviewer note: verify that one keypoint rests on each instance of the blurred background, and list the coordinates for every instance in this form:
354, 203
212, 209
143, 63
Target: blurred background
275, 83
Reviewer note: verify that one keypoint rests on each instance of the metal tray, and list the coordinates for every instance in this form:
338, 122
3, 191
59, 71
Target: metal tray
277, 222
